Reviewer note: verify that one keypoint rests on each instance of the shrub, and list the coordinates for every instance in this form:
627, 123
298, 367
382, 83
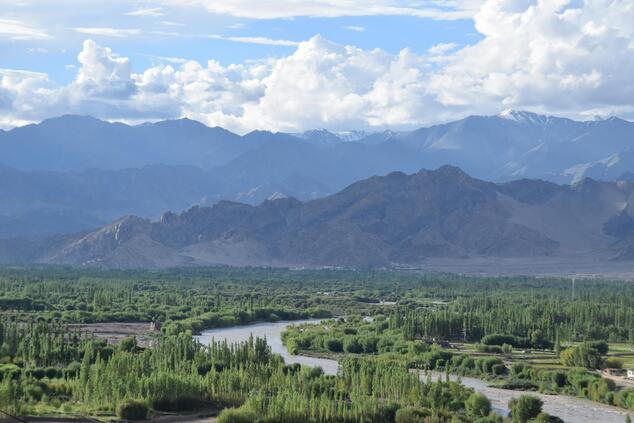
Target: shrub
132, 410
602, 347
351, 345
53, 372
547, 418
583, 355
525, 408
613, 363
334, 345
236, 415
478, 405
128, 344
498, 369
491, 349
411, 415
501, 339
313, 372
34, 391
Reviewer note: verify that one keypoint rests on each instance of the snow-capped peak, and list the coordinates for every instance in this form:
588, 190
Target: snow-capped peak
327, 137
276, 196
349, 136
523, 116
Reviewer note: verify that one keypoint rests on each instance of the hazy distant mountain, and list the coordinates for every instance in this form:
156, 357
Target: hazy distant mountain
72, 172
323, 136
617, 166
74, 143
503, 147
520, 144
390, 221
39, 203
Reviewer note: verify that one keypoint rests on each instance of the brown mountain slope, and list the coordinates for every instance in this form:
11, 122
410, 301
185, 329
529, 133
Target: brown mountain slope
393, 220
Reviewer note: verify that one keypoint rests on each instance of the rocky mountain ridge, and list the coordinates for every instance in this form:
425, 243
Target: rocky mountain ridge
397, 220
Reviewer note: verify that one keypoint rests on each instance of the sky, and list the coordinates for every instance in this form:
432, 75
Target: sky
289, 65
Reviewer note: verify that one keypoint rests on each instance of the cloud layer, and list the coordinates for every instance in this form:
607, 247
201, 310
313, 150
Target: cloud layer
554, 56
281, 9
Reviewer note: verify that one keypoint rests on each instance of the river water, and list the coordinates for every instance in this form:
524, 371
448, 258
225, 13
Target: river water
570, 409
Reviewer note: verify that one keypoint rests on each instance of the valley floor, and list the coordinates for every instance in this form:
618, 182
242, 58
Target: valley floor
541, 267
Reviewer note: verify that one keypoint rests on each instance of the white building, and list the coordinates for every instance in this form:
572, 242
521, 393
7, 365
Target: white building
630, 374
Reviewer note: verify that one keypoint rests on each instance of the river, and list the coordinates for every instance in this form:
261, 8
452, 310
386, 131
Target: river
570, 409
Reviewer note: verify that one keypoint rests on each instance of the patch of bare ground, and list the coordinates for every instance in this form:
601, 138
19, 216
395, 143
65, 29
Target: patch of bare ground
114, 332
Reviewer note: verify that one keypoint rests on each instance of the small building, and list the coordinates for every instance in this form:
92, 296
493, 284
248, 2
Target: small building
630, 374
155, 326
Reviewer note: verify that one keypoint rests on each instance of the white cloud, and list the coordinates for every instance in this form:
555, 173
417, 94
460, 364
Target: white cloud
148, 11
170, 59
26, 96
256, 40
102, 74
108, 32
170, 23
354, 28
558, 57
441, 48
41, 50
18, 30
276, 9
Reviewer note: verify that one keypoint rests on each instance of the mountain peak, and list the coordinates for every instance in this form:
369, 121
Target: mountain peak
449, 171
72, 119
523, 116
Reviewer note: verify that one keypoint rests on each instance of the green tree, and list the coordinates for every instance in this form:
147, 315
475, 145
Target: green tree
478, 405
582, 355
237, 415
525, 408
132, 410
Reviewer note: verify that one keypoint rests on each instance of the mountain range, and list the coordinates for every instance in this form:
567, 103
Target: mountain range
391, 221
75, 173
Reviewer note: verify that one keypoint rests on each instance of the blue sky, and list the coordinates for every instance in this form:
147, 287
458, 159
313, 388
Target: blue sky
168, 31
294, 65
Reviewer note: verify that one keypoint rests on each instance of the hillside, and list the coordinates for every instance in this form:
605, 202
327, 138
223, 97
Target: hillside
397, 220
76, 173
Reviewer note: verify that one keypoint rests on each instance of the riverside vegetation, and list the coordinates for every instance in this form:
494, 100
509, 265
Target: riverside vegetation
380, 325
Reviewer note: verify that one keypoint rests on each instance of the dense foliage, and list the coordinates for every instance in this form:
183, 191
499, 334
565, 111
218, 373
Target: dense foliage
386, 324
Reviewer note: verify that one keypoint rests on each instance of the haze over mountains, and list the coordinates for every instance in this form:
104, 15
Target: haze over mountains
74, 173
397, 220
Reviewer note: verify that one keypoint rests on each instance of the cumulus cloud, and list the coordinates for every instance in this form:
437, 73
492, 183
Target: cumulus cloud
26, 96
103, 74
555, 56
558, 56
